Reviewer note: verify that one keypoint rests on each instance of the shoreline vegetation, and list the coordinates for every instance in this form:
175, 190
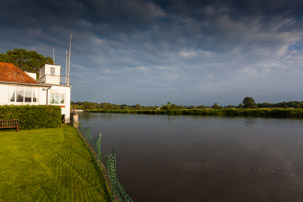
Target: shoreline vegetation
242, 112
248, 107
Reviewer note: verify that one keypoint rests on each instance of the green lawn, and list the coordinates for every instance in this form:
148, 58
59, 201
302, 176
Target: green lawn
48, 165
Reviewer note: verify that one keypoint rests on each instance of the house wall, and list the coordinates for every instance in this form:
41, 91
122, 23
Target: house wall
46, 69
33, 75
65, 108
47, 77
52, 79
5, 95
43, 97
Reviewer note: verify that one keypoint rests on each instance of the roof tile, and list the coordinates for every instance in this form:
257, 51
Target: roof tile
10, 73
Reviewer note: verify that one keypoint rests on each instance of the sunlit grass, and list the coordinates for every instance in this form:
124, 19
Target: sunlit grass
48, 165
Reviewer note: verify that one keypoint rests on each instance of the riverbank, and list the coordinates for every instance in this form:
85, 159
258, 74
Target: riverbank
48, 165
234, 112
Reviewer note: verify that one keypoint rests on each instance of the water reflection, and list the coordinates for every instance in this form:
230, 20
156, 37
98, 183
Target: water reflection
250, 121
192, 158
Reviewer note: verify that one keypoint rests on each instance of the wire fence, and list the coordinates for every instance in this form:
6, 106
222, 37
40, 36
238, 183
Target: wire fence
110, 163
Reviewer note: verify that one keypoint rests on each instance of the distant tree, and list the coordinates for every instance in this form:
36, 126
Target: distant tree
216, 106
173, 106
124, 106
249, 102
87, 105
166, 107
265, 105
191, 107
229, 107
116, 107
138, 106
26, 60
240, 105
107, 106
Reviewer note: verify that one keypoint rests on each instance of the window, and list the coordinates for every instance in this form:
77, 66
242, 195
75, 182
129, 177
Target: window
23, 94
12, 94
56, 98
20, 94
52, 71
61, 99
35, 93
28, 94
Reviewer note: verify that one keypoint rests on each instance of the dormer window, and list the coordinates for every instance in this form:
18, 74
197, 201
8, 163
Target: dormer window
52, 71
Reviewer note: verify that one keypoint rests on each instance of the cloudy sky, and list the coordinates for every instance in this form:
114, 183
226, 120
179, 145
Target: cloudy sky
187, 52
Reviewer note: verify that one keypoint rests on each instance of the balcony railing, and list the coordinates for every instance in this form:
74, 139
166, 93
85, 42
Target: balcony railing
53, 79
64, 81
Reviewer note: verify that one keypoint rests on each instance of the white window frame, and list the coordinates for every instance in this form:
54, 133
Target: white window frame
59, 94
23, 101
52, 71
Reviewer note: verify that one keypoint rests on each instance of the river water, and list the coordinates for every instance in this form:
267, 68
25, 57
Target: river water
207, 159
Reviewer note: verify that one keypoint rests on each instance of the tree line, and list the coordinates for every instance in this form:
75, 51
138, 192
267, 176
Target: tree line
248, 102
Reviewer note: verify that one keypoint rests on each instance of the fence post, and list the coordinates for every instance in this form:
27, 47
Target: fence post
99, 147
110, 163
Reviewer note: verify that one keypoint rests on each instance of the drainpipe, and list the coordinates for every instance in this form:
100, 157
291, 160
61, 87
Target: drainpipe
47, 95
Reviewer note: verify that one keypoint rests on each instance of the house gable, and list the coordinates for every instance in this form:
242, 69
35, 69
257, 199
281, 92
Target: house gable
10, 73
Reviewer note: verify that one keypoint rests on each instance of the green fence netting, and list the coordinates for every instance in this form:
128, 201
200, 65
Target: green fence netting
110, 163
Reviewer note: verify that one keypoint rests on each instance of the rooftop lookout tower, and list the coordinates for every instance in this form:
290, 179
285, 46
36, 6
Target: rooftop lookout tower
50, 74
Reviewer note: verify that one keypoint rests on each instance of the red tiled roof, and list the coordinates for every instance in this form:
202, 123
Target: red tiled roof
10, 73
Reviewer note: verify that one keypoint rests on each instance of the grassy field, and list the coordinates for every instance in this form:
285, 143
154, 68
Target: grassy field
234, 112
48, 165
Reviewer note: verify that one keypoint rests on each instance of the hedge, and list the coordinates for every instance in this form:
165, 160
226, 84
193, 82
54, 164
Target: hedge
33, 116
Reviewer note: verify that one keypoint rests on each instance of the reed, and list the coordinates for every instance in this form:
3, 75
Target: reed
234, 112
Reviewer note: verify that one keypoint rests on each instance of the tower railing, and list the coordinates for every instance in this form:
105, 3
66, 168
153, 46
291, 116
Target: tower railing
54, 79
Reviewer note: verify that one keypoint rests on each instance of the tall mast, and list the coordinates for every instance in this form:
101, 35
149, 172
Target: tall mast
66, 67
54, 55
69, 55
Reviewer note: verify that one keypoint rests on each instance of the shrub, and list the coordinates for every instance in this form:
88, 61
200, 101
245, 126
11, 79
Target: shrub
33, 117
235, 112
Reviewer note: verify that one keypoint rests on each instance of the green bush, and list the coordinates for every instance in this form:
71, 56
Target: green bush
32, 117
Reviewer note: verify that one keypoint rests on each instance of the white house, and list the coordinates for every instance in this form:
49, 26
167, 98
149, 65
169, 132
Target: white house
21, 88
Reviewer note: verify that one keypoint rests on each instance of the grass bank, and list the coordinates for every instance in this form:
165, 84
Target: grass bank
48, 165
235, 112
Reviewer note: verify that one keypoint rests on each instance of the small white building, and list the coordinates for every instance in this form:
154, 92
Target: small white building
21, 88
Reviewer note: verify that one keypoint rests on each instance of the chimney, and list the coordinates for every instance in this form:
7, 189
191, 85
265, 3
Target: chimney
33, 75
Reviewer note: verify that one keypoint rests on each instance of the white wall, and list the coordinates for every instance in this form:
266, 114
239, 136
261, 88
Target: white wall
41, 97
5, 96
33, 75
46, 77
52, 80
46, 69
65, 108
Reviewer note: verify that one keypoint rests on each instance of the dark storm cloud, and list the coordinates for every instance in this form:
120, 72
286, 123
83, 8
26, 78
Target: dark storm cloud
135, 14
240, 7
189, 52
